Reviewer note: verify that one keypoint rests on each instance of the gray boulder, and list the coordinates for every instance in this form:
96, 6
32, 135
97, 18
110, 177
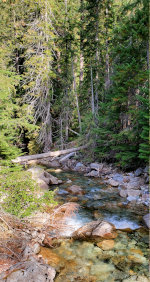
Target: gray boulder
138, 172
133, 193
96, 166
29, 271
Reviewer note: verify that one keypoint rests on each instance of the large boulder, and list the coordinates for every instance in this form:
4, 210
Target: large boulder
29, 271
43, 178
96, 229
75, 190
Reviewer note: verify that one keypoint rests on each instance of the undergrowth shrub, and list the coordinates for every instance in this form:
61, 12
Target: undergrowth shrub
19, 194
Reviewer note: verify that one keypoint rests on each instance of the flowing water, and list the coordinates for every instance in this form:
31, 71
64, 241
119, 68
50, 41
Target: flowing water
126, 259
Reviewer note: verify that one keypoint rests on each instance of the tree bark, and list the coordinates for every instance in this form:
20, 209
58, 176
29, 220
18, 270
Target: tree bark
92, 93
48, 154
76, 96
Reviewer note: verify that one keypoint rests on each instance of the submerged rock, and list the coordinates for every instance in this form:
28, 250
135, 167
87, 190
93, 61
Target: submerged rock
102, 270
75, 190
136, 278
106, 245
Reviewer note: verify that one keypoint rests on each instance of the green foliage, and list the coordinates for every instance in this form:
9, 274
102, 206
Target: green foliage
20, 194
56, 58
144, 148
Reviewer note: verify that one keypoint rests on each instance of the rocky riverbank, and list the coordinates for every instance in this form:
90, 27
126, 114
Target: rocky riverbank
50, 244
132, 186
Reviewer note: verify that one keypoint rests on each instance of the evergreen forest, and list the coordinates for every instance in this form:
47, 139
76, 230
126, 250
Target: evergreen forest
75, 71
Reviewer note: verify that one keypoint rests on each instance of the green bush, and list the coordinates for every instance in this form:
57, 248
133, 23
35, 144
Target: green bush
20, 194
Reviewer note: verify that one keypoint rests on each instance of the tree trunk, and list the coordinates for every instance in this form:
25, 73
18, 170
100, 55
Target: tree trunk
92, 93
76, 96
48, 154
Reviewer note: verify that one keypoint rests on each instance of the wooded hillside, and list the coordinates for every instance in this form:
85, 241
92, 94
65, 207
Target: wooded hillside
75, 71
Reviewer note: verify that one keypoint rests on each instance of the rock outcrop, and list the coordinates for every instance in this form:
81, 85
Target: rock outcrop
31, 270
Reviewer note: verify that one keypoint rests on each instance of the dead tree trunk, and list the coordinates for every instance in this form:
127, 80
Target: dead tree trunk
76, 96
48, 154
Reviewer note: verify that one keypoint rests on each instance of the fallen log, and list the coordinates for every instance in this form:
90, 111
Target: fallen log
63, 159
48, 154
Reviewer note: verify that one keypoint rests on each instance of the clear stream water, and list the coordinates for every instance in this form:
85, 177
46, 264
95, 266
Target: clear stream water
77, 260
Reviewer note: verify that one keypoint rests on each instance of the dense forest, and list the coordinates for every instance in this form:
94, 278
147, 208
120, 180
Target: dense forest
75, 71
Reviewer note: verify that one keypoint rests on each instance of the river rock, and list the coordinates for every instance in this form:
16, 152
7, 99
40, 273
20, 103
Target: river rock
138, 172
96, 166
75, 190
146, 219
147, 180
29, 271
113, 183
42, 184
146, 169
79, 166
93, 173
131, 199
133, 185
123, 193
96, 229
52, 179
118, 177
133, 193
106, 245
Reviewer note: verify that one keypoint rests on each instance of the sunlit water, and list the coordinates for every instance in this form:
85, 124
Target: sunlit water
85, 261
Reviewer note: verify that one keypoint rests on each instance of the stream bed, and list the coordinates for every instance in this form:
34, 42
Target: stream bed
123, 259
